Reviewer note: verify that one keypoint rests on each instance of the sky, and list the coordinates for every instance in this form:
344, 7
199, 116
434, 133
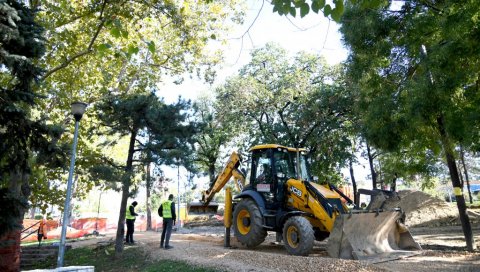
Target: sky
313, 33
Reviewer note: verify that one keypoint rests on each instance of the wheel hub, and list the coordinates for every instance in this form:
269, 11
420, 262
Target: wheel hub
246, 221
292, 236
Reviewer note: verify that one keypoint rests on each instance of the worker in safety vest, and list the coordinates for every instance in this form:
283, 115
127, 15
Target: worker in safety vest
167, 211
130, 216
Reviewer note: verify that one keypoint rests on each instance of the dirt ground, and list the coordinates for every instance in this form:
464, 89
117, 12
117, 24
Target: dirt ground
443, 250
433, 223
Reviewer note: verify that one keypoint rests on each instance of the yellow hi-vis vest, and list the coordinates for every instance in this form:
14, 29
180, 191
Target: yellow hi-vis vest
167, 209
128, 214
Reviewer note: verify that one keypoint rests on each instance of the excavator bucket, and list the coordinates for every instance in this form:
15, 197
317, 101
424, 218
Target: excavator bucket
371, 236
199, 208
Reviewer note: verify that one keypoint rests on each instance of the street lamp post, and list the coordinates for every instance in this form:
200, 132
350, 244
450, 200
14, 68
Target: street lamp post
178, 197
78, 109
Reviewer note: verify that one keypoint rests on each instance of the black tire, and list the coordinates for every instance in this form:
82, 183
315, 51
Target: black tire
247, 223
298, 236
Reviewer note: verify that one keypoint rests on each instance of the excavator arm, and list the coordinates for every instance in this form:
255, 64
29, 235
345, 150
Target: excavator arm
230, 169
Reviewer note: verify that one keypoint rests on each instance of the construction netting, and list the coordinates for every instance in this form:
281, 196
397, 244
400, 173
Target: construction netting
81, 227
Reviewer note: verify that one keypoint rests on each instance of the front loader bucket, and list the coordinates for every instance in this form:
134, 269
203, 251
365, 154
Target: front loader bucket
371, 236
199, 208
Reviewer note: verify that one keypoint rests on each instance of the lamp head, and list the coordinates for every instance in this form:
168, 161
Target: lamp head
78, 109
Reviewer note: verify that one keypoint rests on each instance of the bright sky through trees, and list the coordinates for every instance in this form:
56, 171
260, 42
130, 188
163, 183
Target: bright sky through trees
313, 33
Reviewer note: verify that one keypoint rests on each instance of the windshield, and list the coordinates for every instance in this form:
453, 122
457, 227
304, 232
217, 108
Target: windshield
304, 171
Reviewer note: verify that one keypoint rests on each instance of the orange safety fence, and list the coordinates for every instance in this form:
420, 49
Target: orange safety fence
27, 223
53, 230
141, 223
83, 226
90, 224
348, 191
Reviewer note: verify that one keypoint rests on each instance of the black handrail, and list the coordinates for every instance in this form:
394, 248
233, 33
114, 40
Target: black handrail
30, 232
31, 226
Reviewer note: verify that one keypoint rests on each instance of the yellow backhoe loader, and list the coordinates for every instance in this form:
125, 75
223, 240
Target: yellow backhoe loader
278, 194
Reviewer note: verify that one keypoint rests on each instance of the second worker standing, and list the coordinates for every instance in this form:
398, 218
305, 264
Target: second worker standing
167, 211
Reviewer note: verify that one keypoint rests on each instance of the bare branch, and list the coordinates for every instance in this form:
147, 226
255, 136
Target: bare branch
280, 113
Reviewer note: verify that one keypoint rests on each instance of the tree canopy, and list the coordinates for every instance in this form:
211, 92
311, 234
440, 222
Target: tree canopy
299, 102
416, 67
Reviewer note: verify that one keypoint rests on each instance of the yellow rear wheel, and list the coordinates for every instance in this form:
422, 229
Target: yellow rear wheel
248, 223
243, 222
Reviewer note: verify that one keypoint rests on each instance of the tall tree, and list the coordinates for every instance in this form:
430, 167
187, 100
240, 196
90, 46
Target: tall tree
25, 134
101, 46
136, 116
416, 63
299, 101
215, 133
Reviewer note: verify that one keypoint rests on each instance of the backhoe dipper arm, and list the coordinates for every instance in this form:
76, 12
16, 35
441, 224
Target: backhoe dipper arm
230, 169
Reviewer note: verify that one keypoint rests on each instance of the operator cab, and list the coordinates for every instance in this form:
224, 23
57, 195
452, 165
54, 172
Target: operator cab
272, 165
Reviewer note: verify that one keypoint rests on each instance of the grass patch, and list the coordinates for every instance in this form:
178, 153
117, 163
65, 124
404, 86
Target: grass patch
133, 259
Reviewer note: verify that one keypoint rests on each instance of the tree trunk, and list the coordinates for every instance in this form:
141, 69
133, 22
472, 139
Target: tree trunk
372, 168
211, 172
354, 184
10, 241
149, 187
467, 180
121, 216
10, 251
452, 167
126, 181
32, 212
393, 187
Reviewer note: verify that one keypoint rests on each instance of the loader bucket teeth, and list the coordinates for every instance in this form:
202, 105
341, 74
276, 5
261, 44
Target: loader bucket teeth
371, 236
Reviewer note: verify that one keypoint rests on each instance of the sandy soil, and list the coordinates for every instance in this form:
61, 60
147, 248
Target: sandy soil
432, 222
443, 250
423, 210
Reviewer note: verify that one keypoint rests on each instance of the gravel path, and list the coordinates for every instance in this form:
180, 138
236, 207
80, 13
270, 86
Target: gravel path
203, 246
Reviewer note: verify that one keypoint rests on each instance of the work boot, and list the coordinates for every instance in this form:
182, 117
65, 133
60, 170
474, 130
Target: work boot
168, 247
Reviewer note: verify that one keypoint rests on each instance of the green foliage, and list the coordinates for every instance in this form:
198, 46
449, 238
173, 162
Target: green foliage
293, 102
216, 132
404, 91
97, 47
28, 139
163, 130
335, 11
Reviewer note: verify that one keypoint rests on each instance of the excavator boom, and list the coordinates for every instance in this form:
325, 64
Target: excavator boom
205, 205
230, 169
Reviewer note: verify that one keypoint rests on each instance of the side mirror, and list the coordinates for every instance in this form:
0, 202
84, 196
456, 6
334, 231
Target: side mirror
315, 178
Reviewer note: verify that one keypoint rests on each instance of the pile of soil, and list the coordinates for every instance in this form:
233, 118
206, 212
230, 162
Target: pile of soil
423, 210
204, 220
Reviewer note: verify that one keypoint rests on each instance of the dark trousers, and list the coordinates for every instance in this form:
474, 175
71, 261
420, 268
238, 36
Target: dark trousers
167, 231
130, 230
